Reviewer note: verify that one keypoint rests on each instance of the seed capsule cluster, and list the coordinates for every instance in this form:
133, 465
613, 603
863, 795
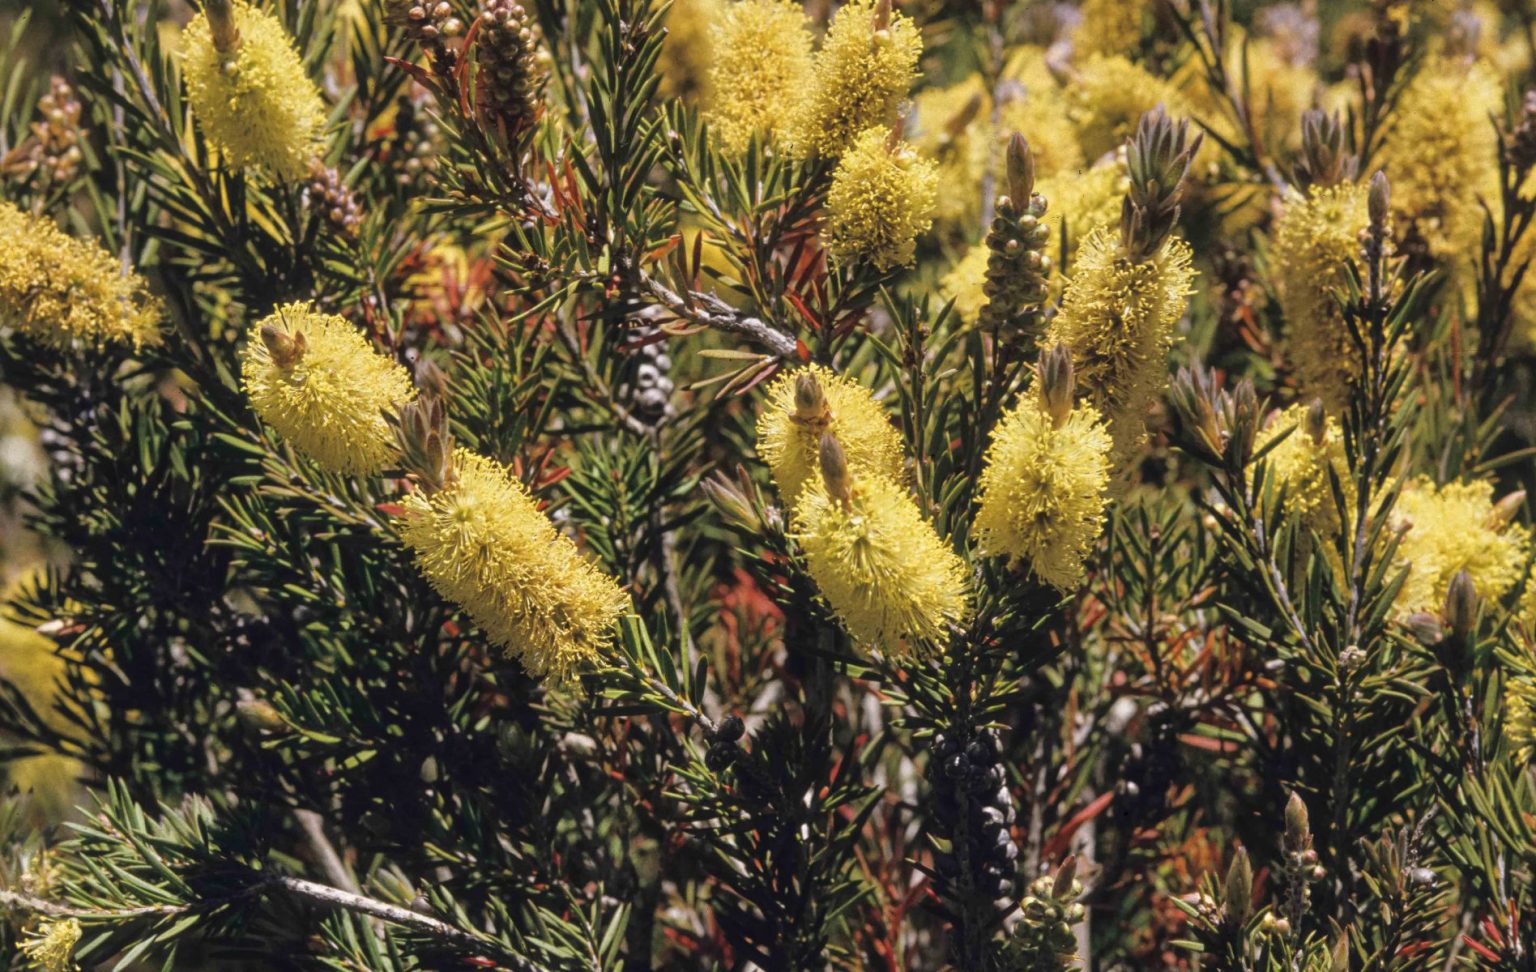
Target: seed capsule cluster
506, 53
1017, 271
1043, 939
969, 785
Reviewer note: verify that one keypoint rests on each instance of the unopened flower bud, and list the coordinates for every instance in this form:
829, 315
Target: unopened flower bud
834, 469
1461, 606
258, 715
221, 23
1020, 169
1317, 422
1238, 890
1066, 875
1379, 199
1298, 828
1503, 513
810, 403
1057, 384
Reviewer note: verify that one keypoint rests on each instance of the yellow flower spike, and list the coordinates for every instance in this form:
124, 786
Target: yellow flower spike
1442, 156
51, 947
1301, 461
1118, 319
761, 63
1043, 488
1520, 717
1311, 241
877, 561
882, 198
1450, 528
866, 65
482, 543
1109, 95
61, 291
790, 427
1108, 27
249, 91
315, 379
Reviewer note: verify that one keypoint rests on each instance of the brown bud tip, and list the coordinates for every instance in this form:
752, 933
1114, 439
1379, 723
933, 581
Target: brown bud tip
257, 715
431, 379
221, 24
1066, 876
1503, 513
1461, 605
1379, 199
286, 349
1057, 383
1298, 828
834, 469
810, 403
1317, 422
1021, 170
1238, 890
1339, 961
883, 15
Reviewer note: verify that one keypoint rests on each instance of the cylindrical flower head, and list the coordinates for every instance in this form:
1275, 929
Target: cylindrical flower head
1442, 156
314, 378
790, 428
1043, 490
879, 564
1300, 465
1109, 95
864, 69
1117, 320
253, 99
1520, 717
59, 291
882, 198
761, 63
483, 544
1107, 27
1312, 240
1450, 528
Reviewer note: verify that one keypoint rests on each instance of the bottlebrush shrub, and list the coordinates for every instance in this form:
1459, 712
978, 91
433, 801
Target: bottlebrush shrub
760, 484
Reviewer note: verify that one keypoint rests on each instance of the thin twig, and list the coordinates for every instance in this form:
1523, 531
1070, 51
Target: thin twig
716, 314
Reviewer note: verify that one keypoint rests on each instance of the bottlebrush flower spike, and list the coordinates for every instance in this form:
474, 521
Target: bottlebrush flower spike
882, 198
60, 291
804, 404
1450, 528
483, 544
865, 67
1129, 288
1043, 488
249, 91
876, 560
1315, 236
762, 62
314, 378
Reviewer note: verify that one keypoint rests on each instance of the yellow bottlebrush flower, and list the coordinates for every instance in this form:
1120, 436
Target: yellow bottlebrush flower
1041, 116
1442, 156
1109, 96
687, 56
1301, 461
51, 946
483, 544
314, 378
882, 197
761, 63
60, 291
1117, 319
1311, 241
878, 562
1450, 528
1043, 490
865, 66
1520, 717
251, 94
804, 404
1108, 27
